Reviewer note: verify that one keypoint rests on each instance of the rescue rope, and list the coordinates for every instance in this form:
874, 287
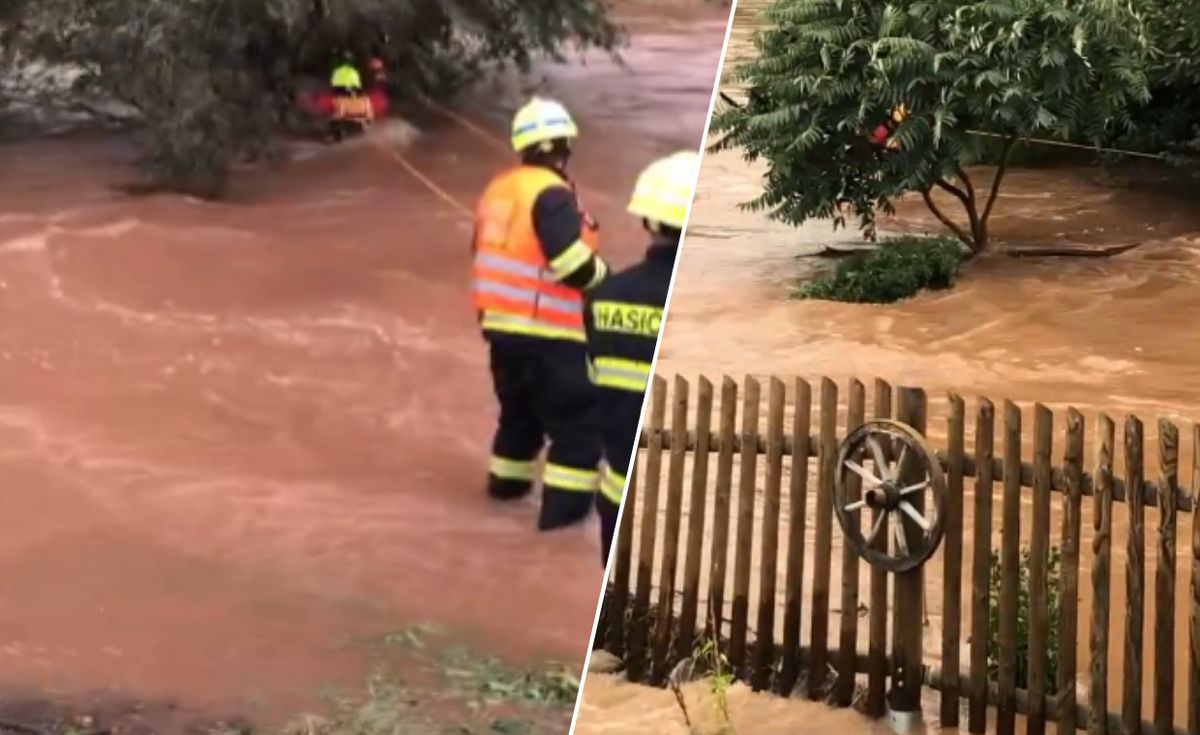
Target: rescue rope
478, 131
429, 184
491, 139
1039, 141
1076, 146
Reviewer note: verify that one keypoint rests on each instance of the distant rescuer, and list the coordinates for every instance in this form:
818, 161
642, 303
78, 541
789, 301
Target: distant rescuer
623, 319
534, 257
345, 80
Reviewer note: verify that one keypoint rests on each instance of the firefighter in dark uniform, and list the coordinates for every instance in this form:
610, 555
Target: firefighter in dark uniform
534, 258
623, 318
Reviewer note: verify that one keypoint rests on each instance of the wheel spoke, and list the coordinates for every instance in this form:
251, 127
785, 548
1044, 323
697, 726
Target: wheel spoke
916, 517
856, 505
899, 471
918, 487
901, 541
881, 463
862, 472
876, 527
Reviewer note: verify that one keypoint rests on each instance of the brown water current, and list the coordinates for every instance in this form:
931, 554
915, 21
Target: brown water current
1112, 335
233, 436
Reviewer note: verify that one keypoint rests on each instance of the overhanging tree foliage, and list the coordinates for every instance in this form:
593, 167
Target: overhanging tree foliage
214, 79
828, 71
1171, 121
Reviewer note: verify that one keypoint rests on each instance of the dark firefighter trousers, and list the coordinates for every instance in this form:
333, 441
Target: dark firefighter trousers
545, 394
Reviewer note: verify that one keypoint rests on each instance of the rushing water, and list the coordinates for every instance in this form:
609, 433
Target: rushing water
233, 436
1115, 335
1063, 331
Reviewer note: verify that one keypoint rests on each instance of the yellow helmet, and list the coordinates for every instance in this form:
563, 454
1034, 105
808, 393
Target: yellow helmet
540, 121
664, 190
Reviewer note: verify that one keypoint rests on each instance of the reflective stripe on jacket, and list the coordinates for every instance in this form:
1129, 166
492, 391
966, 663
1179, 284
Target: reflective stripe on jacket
516, 290
623, 320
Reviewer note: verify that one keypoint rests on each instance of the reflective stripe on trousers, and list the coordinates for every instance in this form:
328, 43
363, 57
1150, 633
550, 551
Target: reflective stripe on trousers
620, 374
561, 477
512, 469
612, 485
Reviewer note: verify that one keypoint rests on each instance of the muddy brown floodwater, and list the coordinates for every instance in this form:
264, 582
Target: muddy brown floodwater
1115, 335
613, 707
1059, 331
234, 436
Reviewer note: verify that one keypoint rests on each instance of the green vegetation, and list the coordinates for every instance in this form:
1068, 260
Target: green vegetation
213, 81
899, 269
487, 680
708, 660
1171, 120
387, 706
829, 71
459, 691
1053, 585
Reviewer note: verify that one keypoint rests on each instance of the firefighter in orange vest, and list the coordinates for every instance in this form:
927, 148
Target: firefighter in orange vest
534, 259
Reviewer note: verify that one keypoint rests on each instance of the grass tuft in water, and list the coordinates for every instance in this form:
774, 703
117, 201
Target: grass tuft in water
488, 680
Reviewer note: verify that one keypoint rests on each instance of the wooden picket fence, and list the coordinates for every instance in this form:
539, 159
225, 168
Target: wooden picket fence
705, 554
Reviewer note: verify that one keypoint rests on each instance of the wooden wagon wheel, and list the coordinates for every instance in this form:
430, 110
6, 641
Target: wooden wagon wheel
895, 465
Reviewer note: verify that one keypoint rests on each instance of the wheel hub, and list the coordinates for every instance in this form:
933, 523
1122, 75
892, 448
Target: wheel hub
886, 496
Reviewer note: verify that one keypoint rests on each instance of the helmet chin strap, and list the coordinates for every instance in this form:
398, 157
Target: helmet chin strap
659, 230
551, 153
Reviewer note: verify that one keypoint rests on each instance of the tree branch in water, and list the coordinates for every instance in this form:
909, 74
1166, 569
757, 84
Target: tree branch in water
1067, 251
959, 232
1000, 177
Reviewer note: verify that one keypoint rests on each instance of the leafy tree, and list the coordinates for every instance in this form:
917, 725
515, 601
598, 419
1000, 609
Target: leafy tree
213, 80
1171, 120
828, 71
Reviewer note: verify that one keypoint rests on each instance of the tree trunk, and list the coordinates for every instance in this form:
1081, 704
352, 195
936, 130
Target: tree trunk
976, 239
999, 178
965, 237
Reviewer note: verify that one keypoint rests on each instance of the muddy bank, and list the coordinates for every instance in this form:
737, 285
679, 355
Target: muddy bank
612, 705
420, 683
236, 435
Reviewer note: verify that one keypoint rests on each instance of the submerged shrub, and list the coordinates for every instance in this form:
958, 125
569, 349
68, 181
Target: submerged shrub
900, 268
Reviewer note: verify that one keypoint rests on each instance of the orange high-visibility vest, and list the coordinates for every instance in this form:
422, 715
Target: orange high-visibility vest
514, 289
353, 108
